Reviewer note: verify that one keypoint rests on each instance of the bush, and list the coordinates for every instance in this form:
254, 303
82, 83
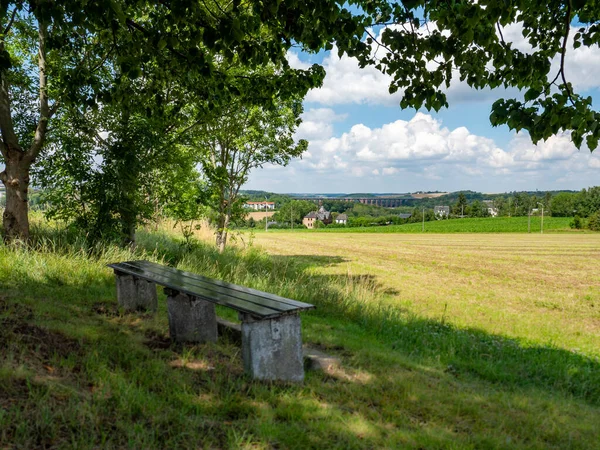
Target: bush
594, 221
576, 223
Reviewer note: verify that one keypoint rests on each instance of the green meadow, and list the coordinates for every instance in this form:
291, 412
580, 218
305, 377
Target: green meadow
466, 225
445, 341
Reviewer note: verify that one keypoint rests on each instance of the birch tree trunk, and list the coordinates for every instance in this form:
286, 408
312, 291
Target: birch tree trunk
222, 242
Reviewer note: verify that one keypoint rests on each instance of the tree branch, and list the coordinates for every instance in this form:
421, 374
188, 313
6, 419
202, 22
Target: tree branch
10, 23
7, 129
42, 126
563, 52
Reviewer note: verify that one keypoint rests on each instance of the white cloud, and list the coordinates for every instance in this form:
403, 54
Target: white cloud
317, 123
422, 148
386, 150
347, 83
390, 170
295, 62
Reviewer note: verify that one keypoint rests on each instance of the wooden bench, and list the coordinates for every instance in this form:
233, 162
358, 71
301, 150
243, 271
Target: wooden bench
271, 331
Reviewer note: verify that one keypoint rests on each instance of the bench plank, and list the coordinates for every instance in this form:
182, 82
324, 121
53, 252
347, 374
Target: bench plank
242, 299
223, 284
251, 295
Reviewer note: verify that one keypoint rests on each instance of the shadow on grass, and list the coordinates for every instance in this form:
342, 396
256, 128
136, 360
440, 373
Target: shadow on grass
137, 388
475, 352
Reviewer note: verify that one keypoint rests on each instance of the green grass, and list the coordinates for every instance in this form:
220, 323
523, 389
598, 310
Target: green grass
467, 225
75, 371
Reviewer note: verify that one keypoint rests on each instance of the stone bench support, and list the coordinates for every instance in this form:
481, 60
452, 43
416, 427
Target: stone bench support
135, 294
272, 348
190, 319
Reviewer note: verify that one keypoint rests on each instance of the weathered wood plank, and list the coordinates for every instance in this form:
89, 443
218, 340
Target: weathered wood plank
153, 266
239, 298
258, 297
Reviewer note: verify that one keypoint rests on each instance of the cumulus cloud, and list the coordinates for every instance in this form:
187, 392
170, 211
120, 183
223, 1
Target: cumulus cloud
423, 148
422, 154
395, 145
317, 123
347, 83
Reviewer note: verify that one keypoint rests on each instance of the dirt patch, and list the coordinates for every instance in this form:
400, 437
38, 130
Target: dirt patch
106, 309
156, 341
43, 342
31, 341
14, 311
13, 391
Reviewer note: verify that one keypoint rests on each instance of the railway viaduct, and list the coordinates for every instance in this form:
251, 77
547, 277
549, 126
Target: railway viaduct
386, 202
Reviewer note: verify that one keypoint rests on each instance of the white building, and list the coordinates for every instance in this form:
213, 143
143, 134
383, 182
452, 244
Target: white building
342, 218
441, 211
260, 206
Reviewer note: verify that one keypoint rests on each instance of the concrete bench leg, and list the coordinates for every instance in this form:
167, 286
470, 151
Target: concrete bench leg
190, 319
135, 294
272, 348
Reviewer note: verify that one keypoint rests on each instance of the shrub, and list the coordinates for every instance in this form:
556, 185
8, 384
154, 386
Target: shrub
594, 221
576, 223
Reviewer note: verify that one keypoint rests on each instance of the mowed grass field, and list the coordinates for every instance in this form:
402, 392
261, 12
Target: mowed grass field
541, 289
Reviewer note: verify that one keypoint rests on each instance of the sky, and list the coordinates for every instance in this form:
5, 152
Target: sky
360, 140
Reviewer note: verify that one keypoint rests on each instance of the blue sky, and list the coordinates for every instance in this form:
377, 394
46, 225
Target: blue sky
361, 141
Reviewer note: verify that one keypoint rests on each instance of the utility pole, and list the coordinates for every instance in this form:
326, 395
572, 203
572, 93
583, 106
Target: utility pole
542, 225
266, 218
529, 221
292, 215
423, 226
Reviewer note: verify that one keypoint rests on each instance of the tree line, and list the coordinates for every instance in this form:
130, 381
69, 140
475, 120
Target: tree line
582, 204
122, 111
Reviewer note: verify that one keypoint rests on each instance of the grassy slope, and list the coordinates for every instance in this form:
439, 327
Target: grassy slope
468, 225
75, 371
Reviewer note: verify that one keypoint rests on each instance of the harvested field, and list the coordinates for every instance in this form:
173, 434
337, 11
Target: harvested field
542, 288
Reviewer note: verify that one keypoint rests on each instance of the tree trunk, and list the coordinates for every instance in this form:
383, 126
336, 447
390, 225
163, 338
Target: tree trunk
224, 233
223, 223
18, 161
15, 178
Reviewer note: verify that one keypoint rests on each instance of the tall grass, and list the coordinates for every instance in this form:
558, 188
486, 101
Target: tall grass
112, 380
351, 299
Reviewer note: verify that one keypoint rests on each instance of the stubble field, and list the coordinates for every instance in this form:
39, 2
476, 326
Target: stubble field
540, 289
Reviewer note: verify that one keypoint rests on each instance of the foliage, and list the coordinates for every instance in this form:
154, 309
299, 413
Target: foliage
465, 39
238, 138
259, 196
108, 185
576, 223
461, 206
75, 44
594, 222
295, 210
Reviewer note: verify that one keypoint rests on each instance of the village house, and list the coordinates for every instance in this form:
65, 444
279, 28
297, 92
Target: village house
260, 206
441, 212
312, 217
342, 218
491, 209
